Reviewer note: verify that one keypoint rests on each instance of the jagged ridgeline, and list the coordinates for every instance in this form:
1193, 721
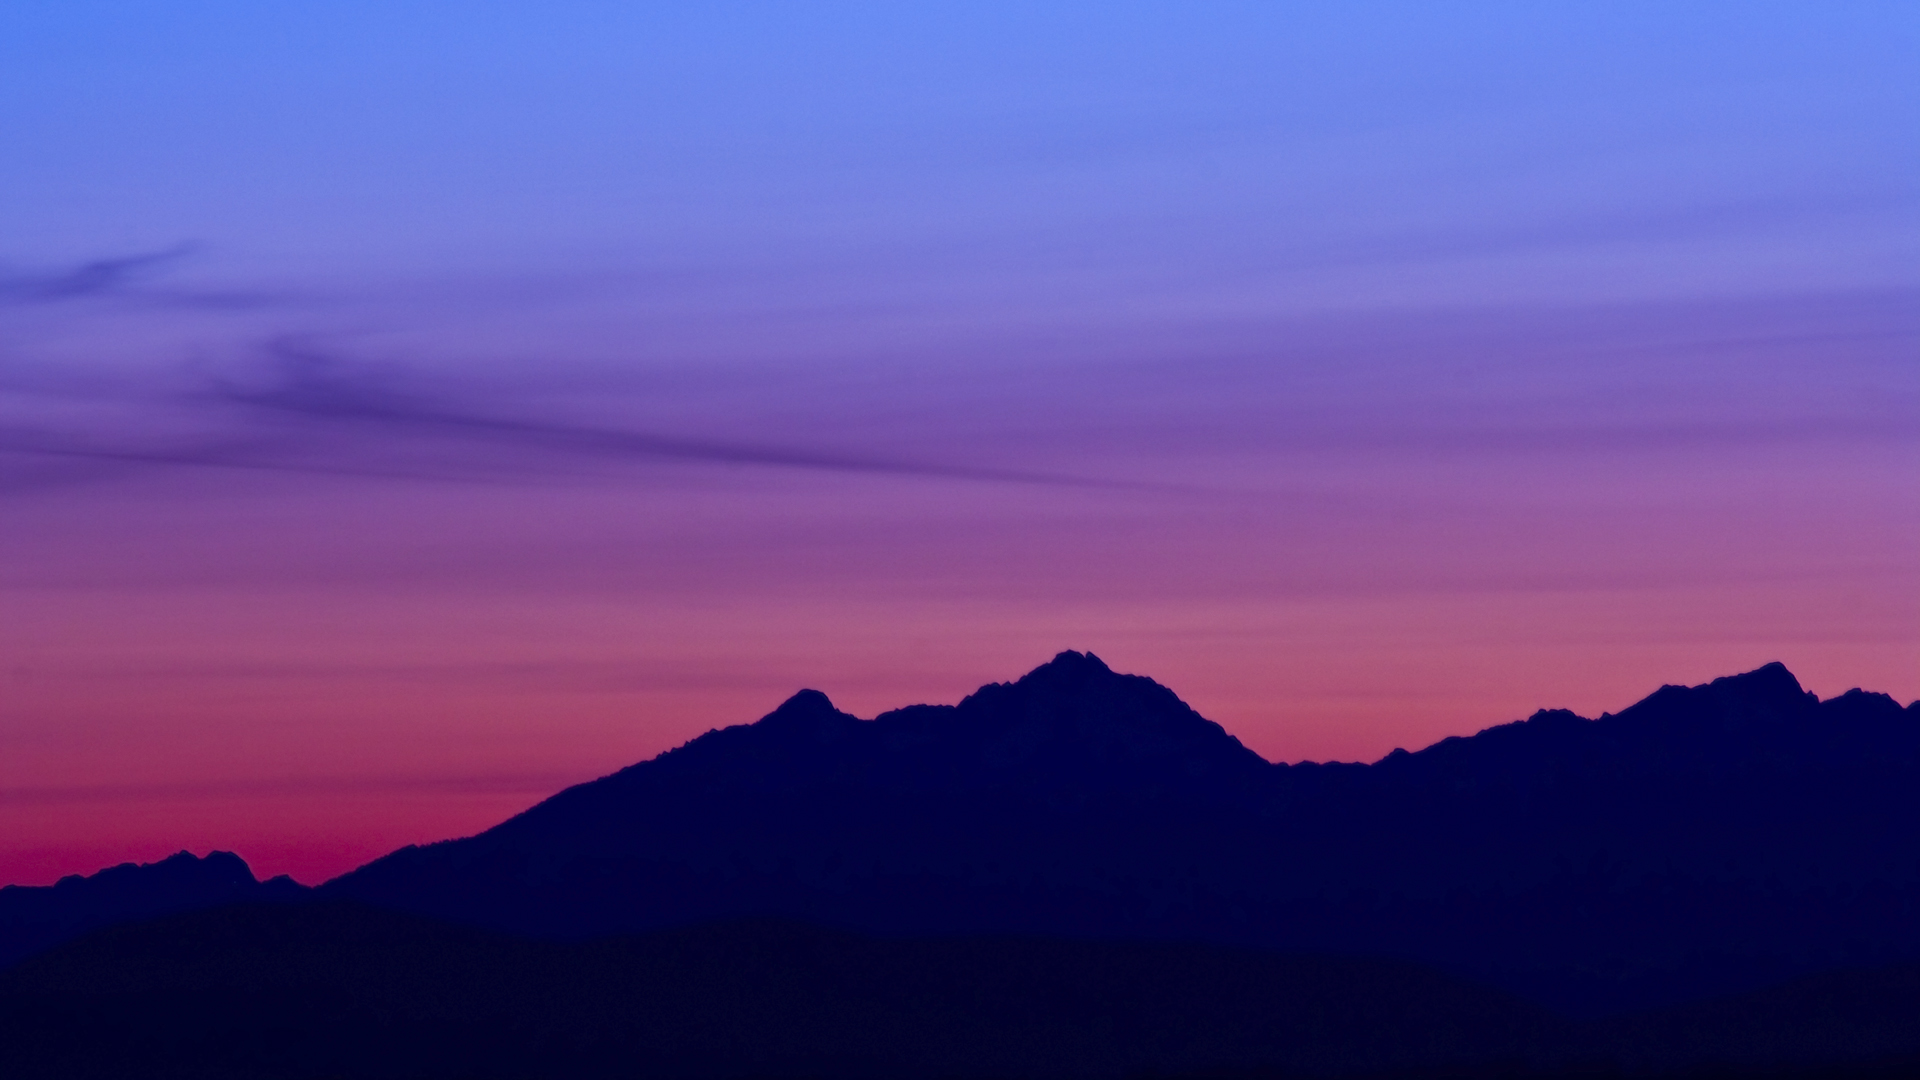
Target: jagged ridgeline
1092, 852
1705, 840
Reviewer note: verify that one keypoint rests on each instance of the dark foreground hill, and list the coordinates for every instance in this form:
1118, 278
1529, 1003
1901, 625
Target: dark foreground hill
33, 918
332, 989
302, 992
1705, 841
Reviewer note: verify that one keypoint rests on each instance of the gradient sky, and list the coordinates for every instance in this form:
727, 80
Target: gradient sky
407, 410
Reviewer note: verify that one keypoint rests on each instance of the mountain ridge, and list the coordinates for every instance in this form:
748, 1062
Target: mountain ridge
1582, 860
36, 917
1704, 840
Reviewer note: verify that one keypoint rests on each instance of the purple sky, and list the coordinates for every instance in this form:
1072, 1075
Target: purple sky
404, 413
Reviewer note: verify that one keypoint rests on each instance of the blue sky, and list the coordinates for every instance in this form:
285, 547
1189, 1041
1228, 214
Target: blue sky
1754, 146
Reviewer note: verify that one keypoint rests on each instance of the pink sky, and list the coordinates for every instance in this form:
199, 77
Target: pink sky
312, 668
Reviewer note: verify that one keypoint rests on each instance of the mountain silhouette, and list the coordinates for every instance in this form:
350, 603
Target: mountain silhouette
1035, 806
1704, 841
1070, 875
33, 918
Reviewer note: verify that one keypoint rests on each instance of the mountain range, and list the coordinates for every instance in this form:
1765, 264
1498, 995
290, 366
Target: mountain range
1705, 840
1705, 843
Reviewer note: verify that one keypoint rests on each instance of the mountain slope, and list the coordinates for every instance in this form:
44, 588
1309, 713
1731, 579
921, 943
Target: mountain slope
1705, 840
1027, 807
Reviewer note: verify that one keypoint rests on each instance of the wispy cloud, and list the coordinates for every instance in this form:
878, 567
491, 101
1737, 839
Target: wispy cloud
308, 411
89, 278
124, 278
315, 387
434, 382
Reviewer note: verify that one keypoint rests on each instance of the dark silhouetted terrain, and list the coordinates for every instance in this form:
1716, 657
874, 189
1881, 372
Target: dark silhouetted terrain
333, 989
33, 918
1069, 875
1704, 841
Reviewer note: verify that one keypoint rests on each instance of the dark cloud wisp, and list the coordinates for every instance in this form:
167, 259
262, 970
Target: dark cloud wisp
315, 413
124, 278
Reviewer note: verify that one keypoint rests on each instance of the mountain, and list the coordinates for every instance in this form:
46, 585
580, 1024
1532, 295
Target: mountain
1704, 841
33, 918
1029, 807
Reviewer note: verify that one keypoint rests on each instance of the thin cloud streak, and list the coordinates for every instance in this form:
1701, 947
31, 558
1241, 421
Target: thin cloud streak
122, 277
334, 416
536, 784
315, 391
253, 455
301, 409
89, 278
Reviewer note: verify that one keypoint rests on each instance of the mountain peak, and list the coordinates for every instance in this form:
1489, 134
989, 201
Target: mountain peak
808, 713
1067, 669
1770, 680
1069, 660
1073, 722
1769, 692
805, 703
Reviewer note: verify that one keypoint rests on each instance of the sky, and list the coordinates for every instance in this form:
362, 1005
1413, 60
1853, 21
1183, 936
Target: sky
407, 410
